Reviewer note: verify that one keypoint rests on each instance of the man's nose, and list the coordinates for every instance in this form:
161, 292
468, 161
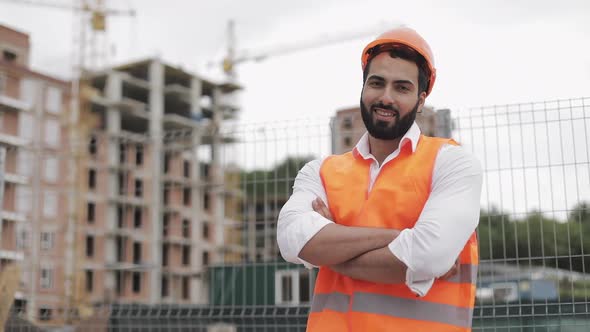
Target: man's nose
387, 97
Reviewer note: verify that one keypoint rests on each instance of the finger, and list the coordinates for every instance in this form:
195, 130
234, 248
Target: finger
320, 207
325, 211
454, 269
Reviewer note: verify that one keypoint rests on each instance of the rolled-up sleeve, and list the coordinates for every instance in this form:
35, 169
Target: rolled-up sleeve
449, 217
297, 222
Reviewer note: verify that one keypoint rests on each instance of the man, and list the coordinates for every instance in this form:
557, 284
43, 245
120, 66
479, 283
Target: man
391, 224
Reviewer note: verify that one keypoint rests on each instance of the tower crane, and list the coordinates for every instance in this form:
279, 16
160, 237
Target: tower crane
233, 58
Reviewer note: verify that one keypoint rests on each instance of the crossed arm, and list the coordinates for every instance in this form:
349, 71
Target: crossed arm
306, 234
358, 252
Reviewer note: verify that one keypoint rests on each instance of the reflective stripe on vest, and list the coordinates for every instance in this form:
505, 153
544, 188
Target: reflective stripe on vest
395, 307
395, 201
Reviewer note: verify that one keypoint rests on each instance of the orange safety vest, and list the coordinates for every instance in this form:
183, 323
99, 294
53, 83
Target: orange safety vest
396, 200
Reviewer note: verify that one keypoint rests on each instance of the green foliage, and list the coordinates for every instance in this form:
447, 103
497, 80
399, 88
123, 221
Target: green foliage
536, 239
277, 182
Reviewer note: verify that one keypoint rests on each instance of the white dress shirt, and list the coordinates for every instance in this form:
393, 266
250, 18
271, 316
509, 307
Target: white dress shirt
431, 247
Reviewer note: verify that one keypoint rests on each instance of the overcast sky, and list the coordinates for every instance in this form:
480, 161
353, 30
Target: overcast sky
486, 52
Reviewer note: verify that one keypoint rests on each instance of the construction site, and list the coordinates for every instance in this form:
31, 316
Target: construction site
134, 198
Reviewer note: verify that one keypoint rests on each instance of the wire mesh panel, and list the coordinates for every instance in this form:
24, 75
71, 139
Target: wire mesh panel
218, 265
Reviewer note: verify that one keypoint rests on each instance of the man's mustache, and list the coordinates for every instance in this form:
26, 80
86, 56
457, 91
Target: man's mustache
385, 107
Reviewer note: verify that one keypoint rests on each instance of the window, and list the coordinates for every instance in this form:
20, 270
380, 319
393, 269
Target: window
91, 179
52, 133
205, 230
21, 239
45, 314
51, 169
138, 188
120, 248
23, 199
186, 196
120, 216
90, 212
347, 141
9, 56
186, 228
206, 201
122, 183
287, 289
186, 255
92, 146
28, 92
47, 240
166, 162
205, 258
205, 171
166, 196
89, 281
26, 124
139, 155
46, 278
347, 122
89, 246
165, 250
186, 166
119, 282
165, 290
137, 214
53, 100
185, 288
136, 252
122, 153
165, 224
49, 204
24, 162
136, 282
292, 286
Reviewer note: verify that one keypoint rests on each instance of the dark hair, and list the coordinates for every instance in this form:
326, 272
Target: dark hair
403, 52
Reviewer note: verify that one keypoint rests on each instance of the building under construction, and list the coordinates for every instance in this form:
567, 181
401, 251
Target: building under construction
119, 201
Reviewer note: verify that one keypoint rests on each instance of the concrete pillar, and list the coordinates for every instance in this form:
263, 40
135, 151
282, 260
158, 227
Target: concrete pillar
216, 172
156, 113
113, 93
33, 264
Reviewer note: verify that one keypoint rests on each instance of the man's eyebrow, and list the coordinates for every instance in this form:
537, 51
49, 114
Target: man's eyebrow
376, 77
403, 82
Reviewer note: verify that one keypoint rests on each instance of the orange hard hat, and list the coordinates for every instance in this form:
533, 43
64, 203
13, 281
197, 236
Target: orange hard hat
410, 38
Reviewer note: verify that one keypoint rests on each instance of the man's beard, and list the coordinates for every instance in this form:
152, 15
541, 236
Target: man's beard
383, 129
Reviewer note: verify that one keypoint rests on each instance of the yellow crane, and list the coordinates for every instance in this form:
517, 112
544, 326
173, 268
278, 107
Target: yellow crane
234, 58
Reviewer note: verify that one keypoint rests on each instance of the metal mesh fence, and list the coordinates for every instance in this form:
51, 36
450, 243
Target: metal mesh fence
534, 230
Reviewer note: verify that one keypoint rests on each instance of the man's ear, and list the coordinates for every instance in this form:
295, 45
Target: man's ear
421, 101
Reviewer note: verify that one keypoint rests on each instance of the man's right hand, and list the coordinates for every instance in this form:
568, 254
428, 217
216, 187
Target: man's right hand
320, 207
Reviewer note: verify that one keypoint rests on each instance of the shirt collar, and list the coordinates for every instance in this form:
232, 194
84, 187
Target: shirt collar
412, 136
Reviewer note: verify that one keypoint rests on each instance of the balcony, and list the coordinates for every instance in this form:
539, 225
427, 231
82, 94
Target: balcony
176, 239
129, 200
13, 216
13, 104
16, 178
129, 266
175, 121
183, 270
12, 255
12, 140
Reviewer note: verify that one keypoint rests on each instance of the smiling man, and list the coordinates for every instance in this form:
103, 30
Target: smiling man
391, 224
